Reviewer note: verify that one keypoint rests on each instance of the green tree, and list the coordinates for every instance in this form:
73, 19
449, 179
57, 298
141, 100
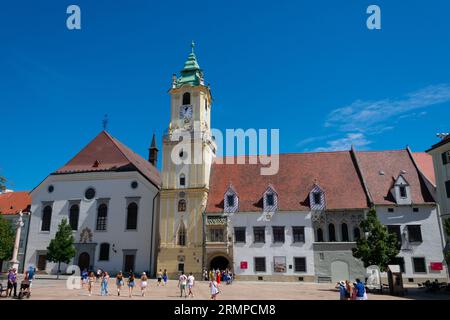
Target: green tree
377, 246
61, 248
7, 237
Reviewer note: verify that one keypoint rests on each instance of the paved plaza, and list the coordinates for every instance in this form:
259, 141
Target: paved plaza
52, 289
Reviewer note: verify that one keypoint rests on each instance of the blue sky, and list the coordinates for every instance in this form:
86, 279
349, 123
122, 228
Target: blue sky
310, 68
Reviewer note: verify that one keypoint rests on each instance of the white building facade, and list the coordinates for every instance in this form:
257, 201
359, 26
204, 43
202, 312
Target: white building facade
113, 213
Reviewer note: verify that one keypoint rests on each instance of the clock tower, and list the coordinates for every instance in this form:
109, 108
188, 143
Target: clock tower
188, 151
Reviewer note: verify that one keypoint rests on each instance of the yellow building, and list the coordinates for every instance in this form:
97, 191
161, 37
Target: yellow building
188, 150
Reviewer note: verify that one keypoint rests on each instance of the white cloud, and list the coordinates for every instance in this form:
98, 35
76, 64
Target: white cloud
356, 139
367, 116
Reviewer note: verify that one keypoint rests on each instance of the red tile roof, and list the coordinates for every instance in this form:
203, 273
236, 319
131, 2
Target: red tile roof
425, 163
14, 202
105, 153
391, 163
335, 172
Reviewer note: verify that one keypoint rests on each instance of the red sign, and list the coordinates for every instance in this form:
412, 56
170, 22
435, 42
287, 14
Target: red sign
437, 266
244, 265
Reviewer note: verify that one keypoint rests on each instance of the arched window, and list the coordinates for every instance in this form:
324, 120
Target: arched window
319, 235
46, 218
356, 233
102, 216
74, 213
182, 235
331, 233
182, 180
132, 212
344, 230
182, 205
186, 98
104, 252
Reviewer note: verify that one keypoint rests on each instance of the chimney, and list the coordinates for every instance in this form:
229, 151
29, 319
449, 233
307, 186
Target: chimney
153, 152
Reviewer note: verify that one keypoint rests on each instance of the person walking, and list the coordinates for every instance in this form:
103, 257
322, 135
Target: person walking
131, 284
348, 288
119, 282
104, 284
214, 289
84, 277
91, 281
12, 283
165, 277
342, 290
218, 275
159, 277
182, 282
144, 280
99, 274
190, 284
31, 272
360, 290
25, 286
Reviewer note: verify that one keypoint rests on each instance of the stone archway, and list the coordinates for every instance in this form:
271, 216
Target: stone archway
219, 262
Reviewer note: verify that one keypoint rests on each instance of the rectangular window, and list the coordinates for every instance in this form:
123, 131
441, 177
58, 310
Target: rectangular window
230, 200
446, 157
279, 264
414, 233
259, 234
270, 200
300, 264
419, 265
396, 230
298, 234
317, 198
447, 188
216, 235
278, 234
260, 264
403, 192
239, 234
399, 261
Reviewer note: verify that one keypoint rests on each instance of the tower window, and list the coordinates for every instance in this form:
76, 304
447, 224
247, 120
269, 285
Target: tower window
74, 213
182, 180
186, 98
46, 218
182, 235
132, 212
319, 235
182, 205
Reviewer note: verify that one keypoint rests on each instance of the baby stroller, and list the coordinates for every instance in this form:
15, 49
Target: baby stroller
24, 290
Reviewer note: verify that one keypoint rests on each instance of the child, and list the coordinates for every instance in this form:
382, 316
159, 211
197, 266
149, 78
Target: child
144, 280
214, 289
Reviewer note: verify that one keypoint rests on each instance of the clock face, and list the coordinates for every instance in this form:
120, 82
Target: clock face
186, 112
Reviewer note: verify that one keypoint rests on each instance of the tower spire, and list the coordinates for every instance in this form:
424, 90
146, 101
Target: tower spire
153, 151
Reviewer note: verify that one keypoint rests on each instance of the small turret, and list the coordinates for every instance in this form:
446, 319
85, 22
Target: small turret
153, 152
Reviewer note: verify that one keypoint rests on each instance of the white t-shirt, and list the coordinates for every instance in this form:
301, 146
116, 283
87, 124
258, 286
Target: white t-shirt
183, 279
190, 280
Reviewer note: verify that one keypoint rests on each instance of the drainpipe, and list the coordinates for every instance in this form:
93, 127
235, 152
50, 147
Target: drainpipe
204, 242
153, 234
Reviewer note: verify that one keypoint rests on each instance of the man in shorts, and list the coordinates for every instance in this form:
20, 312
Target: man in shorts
182, 282
190, 284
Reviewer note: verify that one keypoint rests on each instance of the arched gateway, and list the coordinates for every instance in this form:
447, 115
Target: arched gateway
219, 262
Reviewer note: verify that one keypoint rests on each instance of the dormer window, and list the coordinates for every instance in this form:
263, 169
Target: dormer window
270, 200
317, 198
230, 200
401, 191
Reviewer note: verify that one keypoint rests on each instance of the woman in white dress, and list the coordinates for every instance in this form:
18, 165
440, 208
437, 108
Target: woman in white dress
144, 283
214, 287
